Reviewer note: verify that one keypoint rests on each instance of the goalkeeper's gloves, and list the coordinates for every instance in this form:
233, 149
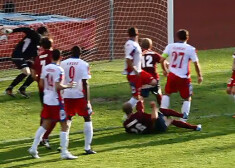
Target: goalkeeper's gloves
6, 31
89, 108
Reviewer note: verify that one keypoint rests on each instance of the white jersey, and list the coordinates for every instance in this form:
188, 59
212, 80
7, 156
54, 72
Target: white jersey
75, 70
180, 55
51, 74
134, 53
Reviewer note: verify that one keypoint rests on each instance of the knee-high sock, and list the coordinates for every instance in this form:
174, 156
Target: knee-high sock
38, 136
27, 82
182, 124
88, 131
64, 141
165, 102
159, 99
169, 112
186, 107
17, 80
48, 132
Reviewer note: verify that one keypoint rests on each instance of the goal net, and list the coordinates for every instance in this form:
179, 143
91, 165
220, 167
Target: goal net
98, 26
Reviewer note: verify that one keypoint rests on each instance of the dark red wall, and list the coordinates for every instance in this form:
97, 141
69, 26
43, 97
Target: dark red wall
211, 23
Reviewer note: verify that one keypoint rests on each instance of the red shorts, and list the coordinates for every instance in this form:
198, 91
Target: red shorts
177, 84
231, 82
76, 106
136, 82
53, 113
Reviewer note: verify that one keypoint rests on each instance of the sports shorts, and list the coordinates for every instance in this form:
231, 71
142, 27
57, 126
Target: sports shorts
76, 106
231, 82
22, 63
137, 81
53, 113
160, 124
176, 84
154, 90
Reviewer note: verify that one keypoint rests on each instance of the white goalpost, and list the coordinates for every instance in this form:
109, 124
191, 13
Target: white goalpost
98, 26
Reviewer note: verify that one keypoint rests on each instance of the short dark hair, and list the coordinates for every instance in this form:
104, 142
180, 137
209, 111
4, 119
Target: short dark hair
46, 43
42, 30
133, 31
76, 51
182, 34
56, 54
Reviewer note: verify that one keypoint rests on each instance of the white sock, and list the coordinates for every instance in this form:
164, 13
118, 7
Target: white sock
38, 137
64, 141
133, 101
165, 102
69, 122
88, 131
186, 107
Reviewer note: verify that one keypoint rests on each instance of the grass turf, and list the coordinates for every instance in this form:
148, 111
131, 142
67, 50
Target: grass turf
212, 147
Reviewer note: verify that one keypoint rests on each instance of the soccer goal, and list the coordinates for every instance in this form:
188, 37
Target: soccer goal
98, 26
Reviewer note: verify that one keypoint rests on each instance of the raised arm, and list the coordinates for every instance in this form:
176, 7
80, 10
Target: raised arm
154, 114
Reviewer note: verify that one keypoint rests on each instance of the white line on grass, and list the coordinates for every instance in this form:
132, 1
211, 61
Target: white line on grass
107, 128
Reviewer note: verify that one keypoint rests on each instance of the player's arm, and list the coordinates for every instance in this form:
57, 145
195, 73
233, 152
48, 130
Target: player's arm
164, 62
86, 88
41, 83
154, 114
233, 66
198, 71
28, 31
60, 86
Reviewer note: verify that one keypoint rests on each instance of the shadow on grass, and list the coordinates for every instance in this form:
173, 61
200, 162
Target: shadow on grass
18, 150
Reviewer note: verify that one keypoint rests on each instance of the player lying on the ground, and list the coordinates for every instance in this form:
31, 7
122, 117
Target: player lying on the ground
24, 51
156, 122
53, 108
77, 99
149, 62
231, 83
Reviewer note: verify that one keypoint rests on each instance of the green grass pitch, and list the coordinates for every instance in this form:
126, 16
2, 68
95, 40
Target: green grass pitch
213, 147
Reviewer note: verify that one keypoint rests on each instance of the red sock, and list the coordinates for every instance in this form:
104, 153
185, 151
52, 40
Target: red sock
140, 106
159, 99
182, 124
169, 112
52, 126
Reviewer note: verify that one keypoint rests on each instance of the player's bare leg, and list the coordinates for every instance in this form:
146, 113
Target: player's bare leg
88, 132
64, 142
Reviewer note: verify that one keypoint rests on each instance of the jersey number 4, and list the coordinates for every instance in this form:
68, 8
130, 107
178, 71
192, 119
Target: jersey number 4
177, 59
50, 82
